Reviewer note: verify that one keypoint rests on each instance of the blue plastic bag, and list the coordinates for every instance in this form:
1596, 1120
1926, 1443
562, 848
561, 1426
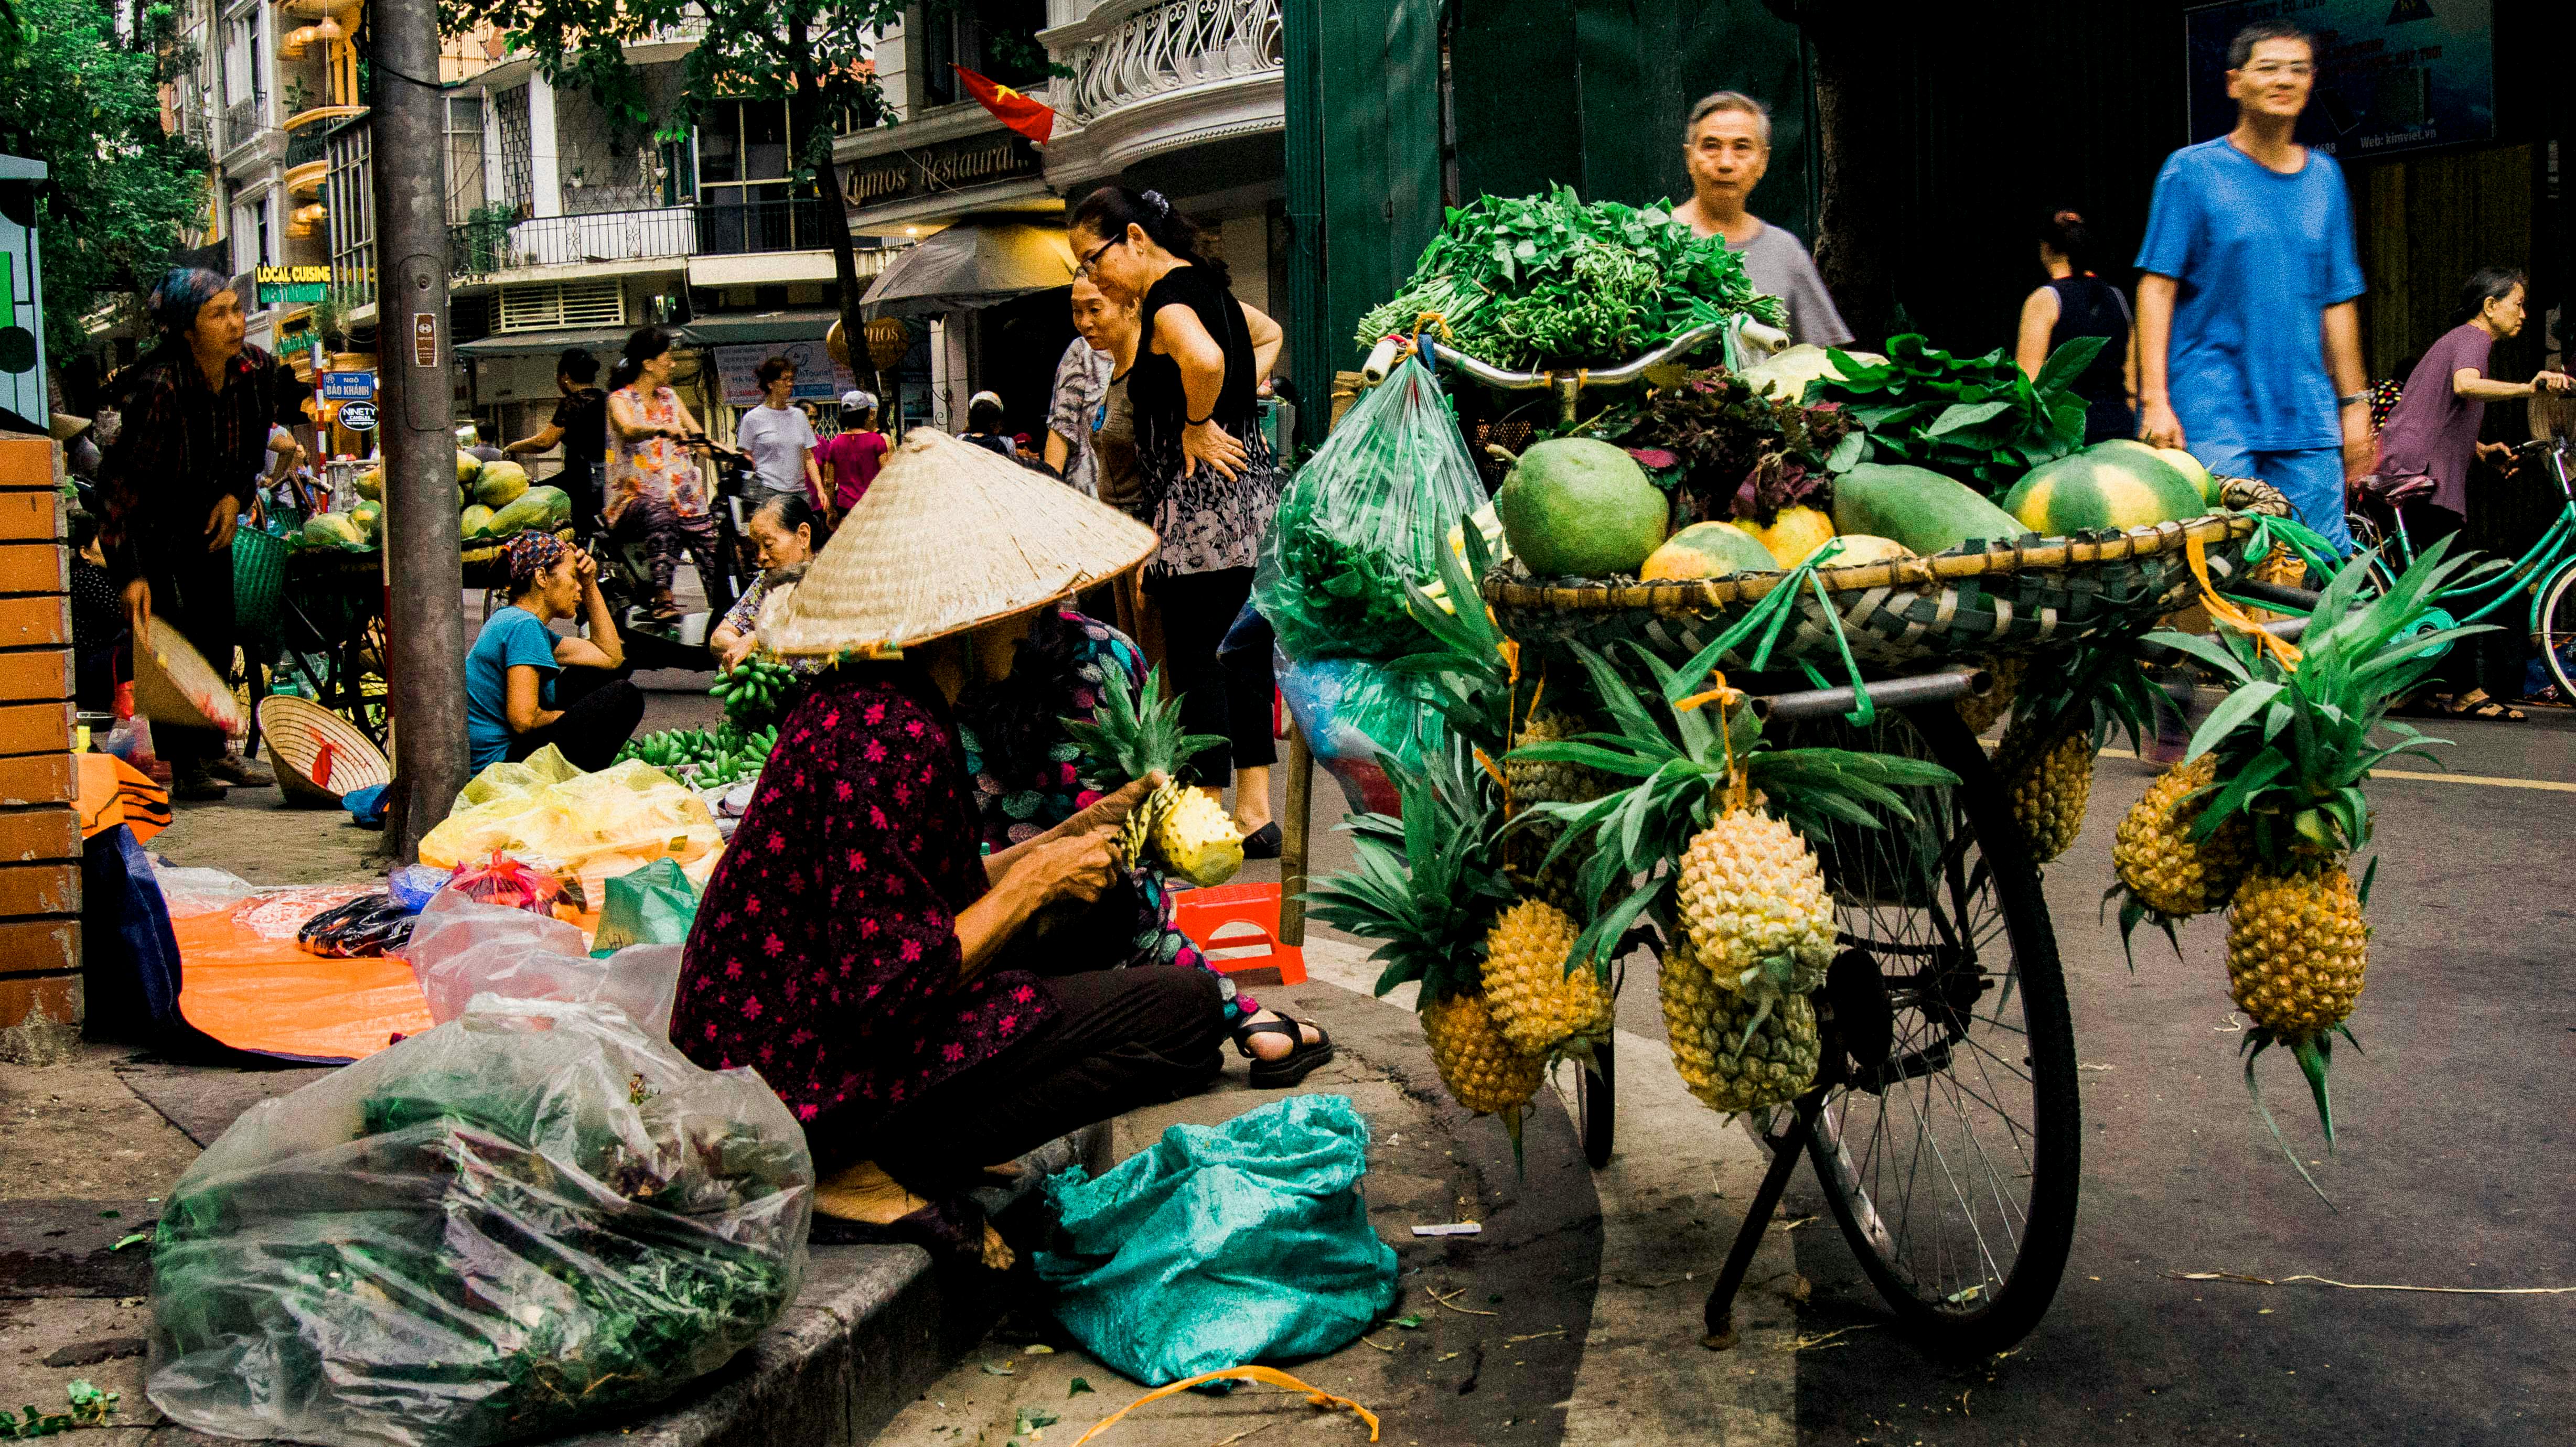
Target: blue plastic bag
1224, 1245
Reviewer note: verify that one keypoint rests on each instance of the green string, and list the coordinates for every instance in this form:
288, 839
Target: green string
1772, 613
2311, 547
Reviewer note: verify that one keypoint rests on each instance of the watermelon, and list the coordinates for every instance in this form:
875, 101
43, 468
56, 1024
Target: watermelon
2116, 484
1577, 507
1922, 511
1708, 550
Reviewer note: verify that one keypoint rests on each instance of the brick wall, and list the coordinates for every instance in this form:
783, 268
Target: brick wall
39, 837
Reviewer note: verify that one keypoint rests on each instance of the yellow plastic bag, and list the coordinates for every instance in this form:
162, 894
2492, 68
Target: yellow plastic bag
549, 814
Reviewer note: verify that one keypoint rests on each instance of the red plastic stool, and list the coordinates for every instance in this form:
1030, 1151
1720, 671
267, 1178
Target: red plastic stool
1237, 927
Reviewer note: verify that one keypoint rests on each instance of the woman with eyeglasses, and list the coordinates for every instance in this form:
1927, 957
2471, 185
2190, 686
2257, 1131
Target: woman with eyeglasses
1205, 475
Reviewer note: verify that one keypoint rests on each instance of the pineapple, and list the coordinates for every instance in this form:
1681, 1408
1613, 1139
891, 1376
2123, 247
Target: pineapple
1536, 1001
2167, 873
1482, 1069
1752, 899
1981, 714
2296, 946
1735, 1050
1540, 781
2047, 781
1131, 736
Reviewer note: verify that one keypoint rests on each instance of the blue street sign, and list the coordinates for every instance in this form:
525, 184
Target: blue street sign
348, 386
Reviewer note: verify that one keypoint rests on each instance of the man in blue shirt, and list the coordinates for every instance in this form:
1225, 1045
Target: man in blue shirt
2249, 342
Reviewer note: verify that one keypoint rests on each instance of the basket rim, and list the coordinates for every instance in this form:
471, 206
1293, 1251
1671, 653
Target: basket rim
2027, 553
292, 748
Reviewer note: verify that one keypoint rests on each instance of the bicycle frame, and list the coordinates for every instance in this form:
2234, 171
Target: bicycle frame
2555, 549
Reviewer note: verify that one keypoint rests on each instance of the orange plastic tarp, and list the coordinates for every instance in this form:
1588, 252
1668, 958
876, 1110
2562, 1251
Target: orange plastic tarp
244, 982
114, 792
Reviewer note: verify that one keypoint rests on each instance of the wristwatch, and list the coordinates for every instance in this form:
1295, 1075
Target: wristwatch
2346, 401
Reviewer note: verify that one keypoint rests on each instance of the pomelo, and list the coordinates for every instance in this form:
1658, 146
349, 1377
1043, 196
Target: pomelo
1919, 509
2117, 484
1577, 507
474, 522
1708, 550
467, 464
2191, 469
1796, 532
499, 484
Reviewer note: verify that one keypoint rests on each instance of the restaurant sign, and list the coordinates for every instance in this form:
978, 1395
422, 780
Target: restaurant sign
959, 165
290, 285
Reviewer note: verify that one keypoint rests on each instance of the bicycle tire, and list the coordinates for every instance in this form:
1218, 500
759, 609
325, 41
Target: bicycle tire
2558, 630
2007, 1297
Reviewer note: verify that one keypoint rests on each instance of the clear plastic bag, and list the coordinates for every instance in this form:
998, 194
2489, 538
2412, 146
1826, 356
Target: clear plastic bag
187, 890
586, 826
528, 1219
1351, 711
460, 949
1369, 510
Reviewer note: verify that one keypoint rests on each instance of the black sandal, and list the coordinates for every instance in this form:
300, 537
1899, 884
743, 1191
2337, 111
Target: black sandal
1288, 1069
2487, 709
950, 1229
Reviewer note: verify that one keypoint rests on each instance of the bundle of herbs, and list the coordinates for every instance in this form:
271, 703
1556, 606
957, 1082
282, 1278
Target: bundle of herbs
1535, 281
1732, 452
1980, 419
526, 1219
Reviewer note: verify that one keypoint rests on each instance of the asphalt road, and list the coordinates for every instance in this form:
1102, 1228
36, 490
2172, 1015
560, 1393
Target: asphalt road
2454, 1139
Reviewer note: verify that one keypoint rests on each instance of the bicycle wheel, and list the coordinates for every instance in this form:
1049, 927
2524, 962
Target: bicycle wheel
1947, 1139
2558, 630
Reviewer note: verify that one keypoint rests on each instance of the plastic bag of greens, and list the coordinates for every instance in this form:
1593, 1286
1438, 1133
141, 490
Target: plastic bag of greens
1222, 1245
532, 1217
461, 949
1371, 508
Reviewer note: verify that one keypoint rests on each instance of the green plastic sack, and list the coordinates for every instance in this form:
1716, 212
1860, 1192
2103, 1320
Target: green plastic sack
1224, 1245
654, 905
1370, 509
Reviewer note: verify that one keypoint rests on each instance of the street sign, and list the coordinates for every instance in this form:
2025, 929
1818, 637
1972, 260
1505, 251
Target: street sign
348, 386
358, 416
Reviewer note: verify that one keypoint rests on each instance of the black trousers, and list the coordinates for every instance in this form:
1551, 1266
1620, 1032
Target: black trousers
192, 595
1120, 1039
600, 712
2490, 661
1229, 697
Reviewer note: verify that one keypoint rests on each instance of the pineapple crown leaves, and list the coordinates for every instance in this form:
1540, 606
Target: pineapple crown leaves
1468, 666
1679, 762
1426, 885
2294, 745
2315, 1054
1133, 734
2102, 688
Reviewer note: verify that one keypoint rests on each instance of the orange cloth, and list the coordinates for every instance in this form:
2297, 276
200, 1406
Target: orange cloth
114, 792
244, 982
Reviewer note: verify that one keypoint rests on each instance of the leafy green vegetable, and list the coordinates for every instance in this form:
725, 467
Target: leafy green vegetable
89, 1408
1078, 1387
1730, 451
1976, 419
1526, 281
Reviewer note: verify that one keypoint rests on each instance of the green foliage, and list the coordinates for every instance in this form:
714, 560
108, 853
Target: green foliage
86, 101
1528, 280
89, 1406
2295, 744
1731, 452
1133, 735
1468, 667
1977, 419
1426, 884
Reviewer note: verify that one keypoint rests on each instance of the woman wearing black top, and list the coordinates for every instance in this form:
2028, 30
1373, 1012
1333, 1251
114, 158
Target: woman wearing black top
2076, 303
1204, 470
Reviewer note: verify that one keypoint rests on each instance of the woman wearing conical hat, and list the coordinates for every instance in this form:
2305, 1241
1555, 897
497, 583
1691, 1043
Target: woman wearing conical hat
858, 948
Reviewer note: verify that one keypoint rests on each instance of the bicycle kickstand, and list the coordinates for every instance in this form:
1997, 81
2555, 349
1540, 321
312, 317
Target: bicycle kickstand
1786, 1148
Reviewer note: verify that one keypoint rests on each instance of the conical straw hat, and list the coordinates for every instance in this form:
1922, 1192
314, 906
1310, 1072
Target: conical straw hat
948, 537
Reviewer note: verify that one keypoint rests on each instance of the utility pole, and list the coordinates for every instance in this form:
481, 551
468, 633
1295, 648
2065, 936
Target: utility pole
425, 619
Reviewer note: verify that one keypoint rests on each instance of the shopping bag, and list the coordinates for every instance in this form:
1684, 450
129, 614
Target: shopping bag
1370, 510
528, 1219
1223, 1245
461, 948
654, 905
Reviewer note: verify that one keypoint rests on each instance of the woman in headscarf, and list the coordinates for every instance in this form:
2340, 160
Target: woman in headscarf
525, 687
925, 1008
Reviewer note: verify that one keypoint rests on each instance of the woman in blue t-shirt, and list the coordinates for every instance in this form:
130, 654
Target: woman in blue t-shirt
526, 688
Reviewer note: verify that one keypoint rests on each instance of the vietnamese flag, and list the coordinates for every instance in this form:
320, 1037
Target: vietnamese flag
1033, 119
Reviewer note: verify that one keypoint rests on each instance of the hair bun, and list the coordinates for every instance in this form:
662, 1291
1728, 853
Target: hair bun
1155, 199
2067, 218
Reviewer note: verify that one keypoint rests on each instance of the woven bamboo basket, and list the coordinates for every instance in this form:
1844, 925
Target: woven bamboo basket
2006, 599
319, 755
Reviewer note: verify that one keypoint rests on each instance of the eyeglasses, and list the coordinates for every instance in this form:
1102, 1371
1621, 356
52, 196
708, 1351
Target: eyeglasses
1093, 259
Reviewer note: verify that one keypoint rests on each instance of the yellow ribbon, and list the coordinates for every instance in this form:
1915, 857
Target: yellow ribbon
1722, 695
1270, 1375
2224, 609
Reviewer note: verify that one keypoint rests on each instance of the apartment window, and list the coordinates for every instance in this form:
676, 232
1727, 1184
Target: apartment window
353, 215
518, 160
464, 157
995, 38
745, 155
267, 254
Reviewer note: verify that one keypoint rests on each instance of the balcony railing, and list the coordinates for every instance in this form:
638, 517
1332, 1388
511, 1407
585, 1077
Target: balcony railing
245, 118
313, 143
1147, 48
485, 247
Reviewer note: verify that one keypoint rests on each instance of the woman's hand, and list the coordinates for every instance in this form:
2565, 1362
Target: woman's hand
1206, 443
2158, 426
1078, 867
138, 612
1111, 810
220, 523
731, 648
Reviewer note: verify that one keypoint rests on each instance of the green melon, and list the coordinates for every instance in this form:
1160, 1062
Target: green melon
1709, 550
528, 512
558, 504
499, 484
370, 519
2191, 468
1576, 507
1918, 508
474, 522
2117, 484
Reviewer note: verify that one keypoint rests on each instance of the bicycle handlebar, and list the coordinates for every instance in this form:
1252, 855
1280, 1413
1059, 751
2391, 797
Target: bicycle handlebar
1381, 360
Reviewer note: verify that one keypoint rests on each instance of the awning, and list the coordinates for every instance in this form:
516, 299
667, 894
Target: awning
978, 262
731, 330
536, 344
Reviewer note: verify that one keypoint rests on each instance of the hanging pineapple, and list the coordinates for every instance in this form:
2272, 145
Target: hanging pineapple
1133, 735
2286, 755
2166, 873
1529, 781
2061, 711
1988, 709
1540, 998
1710, 842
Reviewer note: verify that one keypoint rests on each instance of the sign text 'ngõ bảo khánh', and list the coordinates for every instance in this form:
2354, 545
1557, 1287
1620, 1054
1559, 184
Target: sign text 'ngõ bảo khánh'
291, 284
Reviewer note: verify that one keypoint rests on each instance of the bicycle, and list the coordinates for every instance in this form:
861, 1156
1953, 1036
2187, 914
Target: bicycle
2547, 571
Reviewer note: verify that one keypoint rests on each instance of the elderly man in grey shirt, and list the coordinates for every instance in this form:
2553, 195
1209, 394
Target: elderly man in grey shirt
1727, 147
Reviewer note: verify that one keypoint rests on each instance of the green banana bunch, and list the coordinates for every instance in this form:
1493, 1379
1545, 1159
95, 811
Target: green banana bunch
753, 691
